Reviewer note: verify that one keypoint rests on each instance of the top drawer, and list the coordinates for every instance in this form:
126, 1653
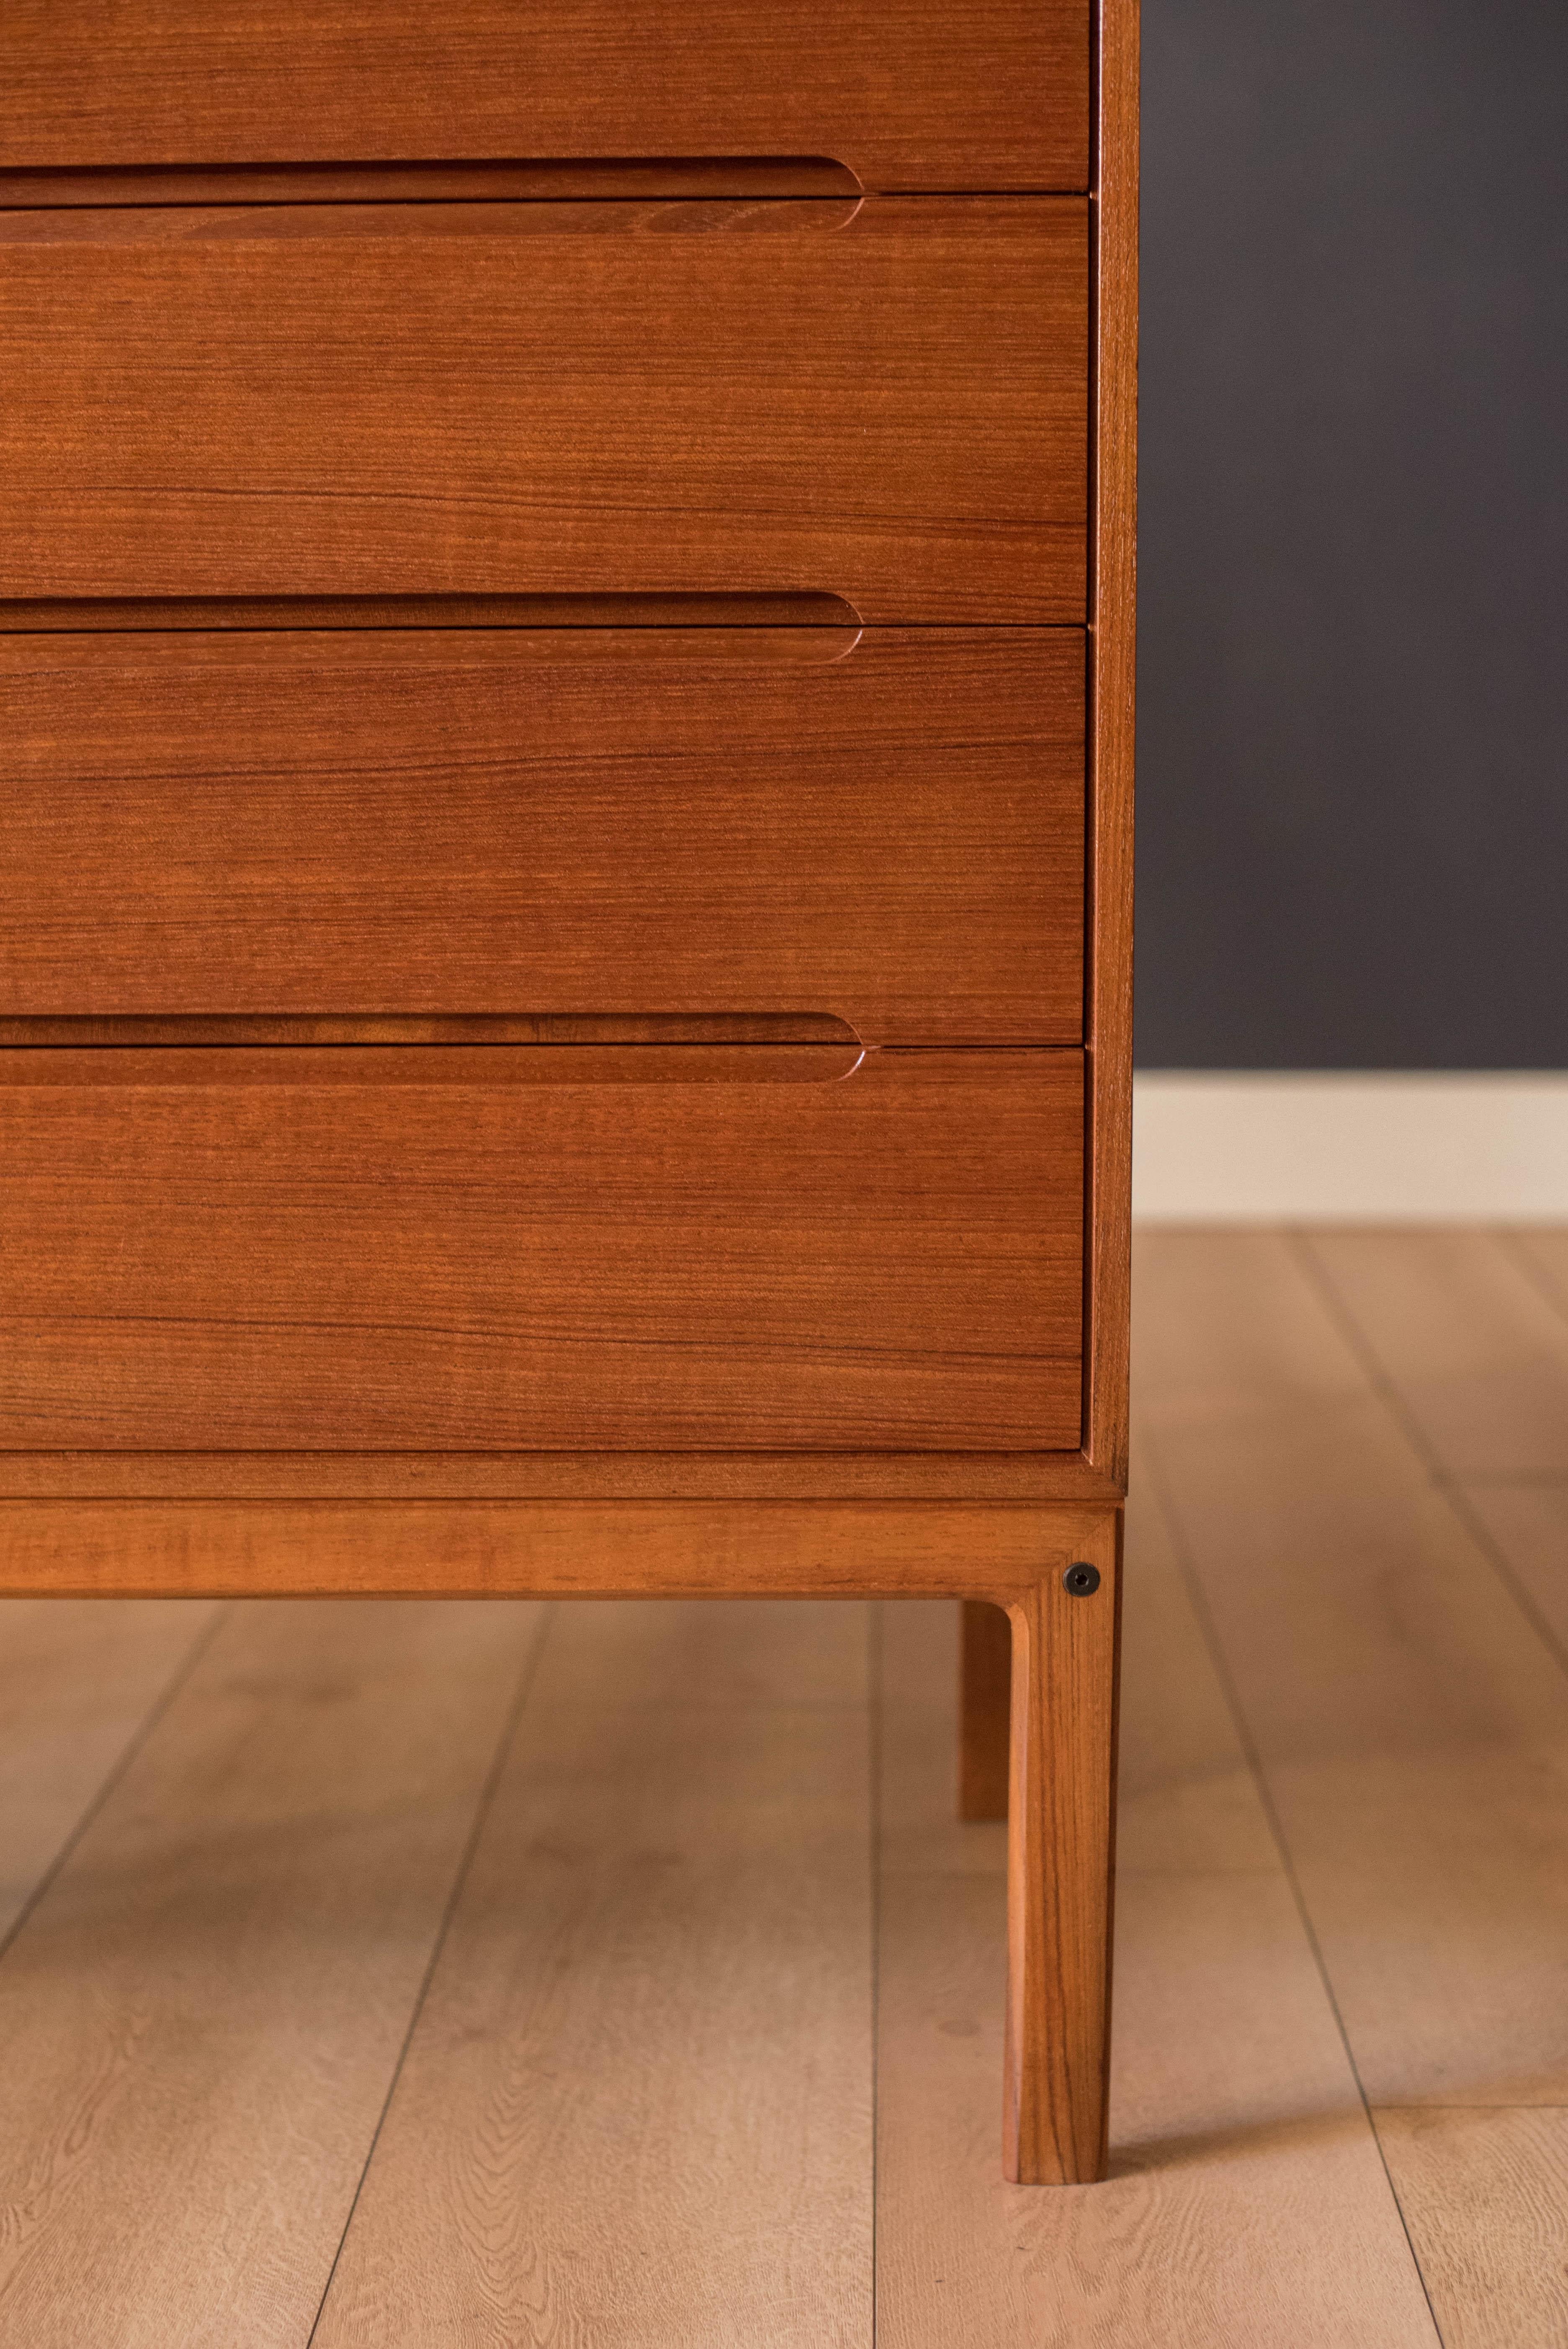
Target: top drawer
908, 93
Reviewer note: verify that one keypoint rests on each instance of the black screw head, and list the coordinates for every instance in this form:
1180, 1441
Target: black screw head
1081, 1580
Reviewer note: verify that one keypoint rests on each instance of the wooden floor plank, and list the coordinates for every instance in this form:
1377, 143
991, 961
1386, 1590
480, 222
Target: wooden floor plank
1187, 1800
1476, 1354
202, 2017
1528, 1527
920, 1828
1411, 1722
1486, 2194
721, 1652
78, 1680
637, 2109
1543, 1251
1247, 2204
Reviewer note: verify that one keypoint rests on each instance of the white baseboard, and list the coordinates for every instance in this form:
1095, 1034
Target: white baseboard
1215, 1147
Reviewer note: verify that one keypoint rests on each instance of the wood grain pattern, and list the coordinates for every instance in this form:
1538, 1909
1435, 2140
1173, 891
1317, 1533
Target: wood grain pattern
1061, 1812
888, 1260
584, 1549
343, 226
636, 2106
201, 2017
1411, 1721
1485, 2196
559, 821
909, 93
1112, 743
615, 1042
552, 1476
893, 411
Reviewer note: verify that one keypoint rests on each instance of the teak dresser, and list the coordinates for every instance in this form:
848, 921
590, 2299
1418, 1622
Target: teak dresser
566, 649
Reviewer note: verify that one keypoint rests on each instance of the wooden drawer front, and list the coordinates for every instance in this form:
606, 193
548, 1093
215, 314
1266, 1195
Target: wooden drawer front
591, 399
911, 93
254, 1250
557, 821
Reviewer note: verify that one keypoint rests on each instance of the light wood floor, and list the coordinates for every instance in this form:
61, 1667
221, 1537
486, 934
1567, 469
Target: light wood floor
447, 1974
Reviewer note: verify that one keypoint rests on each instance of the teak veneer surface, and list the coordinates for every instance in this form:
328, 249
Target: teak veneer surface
1113, 604
579, 1549
467, 1475
887, 1260
548, 820
909, 93
894, 409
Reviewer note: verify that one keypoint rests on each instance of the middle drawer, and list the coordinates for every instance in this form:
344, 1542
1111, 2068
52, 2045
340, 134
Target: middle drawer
883, 827
884, 400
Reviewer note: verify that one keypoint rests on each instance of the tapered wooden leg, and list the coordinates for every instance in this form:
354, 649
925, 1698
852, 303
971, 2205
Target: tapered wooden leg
986, 1674
1060, 1851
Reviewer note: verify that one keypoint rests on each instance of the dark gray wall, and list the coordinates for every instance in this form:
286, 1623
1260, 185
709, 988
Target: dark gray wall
1353, 734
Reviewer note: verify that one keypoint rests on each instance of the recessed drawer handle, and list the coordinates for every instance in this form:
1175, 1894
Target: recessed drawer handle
483, 1049
181, 1030
797, 625
253, 204
516, 180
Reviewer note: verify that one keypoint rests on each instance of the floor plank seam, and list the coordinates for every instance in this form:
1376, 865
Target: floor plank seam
1546, 1288
1393, 1402
504, 1744
1504, 1480
1182, 1875
133, 1746
1184, 1554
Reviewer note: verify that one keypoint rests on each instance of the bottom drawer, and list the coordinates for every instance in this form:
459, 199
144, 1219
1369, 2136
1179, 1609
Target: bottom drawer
540, 1247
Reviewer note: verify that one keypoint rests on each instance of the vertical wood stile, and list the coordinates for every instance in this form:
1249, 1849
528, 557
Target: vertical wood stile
1113, 580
